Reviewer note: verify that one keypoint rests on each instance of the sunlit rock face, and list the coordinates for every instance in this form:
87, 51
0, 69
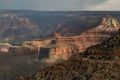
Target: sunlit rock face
64, 45
67, 46
36, 43
110, 22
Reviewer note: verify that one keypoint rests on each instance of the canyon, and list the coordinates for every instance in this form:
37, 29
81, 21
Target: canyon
67, 46
30, 25
40, 39
64, 46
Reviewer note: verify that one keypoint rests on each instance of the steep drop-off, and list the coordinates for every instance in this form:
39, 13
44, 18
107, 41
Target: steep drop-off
109, 49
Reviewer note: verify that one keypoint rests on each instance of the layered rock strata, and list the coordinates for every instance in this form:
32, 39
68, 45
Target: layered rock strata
108, 27
70, 45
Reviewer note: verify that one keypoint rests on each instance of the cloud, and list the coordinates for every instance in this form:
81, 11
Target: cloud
60, 4
110, 5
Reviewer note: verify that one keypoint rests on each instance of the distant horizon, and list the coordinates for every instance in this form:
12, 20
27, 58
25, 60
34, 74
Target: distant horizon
60, 10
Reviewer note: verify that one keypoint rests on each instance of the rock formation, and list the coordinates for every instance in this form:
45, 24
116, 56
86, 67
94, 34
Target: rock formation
36, 43
67, 46
71, 45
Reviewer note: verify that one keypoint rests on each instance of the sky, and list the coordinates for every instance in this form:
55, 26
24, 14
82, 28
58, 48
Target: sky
61, 5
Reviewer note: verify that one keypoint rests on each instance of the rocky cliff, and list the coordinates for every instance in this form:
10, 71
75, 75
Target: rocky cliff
67, 46
71, 45
110, 49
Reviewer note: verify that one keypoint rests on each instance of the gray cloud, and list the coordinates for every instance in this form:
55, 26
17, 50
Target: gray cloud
56, 4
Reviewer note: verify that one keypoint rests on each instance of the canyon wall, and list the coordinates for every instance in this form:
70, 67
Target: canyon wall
71, 45
67, 46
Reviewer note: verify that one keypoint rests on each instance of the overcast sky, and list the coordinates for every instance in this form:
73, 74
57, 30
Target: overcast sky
61, 5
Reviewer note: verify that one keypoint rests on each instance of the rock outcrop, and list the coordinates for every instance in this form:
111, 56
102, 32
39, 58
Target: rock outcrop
36, 43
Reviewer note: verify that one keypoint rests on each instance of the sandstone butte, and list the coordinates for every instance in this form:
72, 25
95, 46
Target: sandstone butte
67, 46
